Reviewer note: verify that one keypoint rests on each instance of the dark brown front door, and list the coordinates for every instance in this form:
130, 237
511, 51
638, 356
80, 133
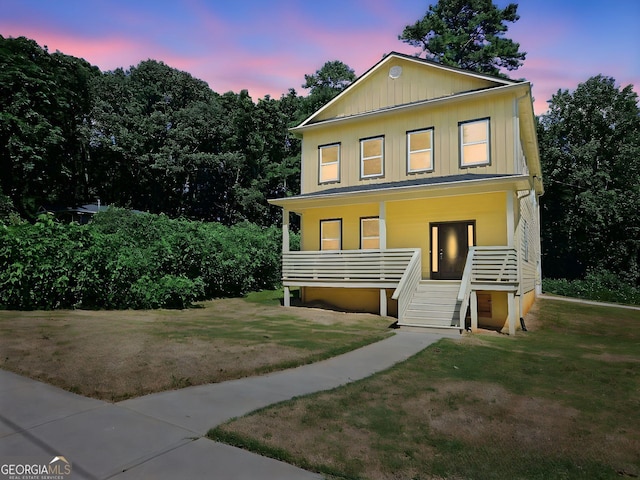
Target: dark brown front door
450, 243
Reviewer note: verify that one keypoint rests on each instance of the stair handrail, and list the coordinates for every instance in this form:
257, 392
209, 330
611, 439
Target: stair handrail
408, 283
465, 286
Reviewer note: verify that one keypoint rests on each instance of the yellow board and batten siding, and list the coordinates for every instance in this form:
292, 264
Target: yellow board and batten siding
394, 127
413, 85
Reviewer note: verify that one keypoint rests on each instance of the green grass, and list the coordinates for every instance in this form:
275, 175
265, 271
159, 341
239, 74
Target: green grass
121, 354
560, 401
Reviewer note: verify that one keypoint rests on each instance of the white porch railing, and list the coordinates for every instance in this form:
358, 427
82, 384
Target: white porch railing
346, 268
488, 268
408, 283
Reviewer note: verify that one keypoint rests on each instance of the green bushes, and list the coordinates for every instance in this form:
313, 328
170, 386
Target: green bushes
127, 260
602, 286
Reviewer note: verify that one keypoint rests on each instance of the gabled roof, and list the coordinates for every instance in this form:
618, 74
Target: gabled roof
445, 82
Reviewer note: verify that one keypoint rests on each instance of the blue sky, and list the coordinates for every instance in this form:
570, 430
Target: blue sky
267, 46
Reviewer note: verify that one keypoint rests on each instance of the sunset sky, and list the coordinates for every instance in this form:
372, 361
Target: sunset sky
267, 46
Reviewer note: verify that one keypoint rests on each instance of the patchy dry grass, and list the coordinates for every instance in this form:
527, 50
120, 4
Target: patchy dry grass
561, 401
114, 355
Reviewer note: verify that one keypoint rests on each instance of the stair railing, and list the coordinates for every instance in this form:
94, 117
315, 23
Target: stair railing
408, 283
465, 287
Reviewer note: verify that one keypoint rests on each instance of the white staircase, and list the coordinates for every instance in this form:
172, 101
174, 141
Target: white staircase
434, 305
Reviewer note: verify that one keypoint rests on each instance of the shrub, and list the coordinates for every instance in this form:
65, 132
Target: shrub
602, 285
128, 260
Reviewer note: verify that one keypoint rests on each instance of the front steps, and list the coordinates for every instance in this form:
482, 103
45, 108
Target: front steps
434, 305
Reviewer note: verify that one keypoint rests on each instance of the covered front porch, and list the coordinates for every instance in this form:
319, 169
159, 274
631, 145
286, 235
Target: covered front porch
405, 258
420, 302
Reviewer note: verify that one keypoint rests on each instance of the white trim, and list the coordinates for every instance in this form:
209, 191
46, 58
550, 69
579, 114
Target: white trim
363, 238
430, 168
432, 101
382, 217
365, 159
323, 238
321, 164
510, 220
486, 141
401, 189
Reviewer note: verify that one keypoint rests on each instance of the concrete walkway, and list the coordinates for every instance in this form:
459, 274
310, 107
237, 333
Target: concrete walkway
160, 436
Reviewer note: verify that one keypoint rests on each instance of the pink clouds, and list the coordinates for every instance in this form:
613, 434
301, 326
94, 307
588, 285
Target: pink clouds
268, 49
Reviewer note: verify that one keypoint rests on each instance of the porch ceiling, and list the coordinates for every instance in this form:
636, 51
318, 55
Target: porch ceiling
431, 187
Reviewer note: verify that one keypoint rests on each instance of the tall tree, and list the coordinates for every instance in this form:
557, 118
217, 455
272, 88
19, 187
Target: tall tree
590, 151
45, 100
468, 34
327, 82
151, 126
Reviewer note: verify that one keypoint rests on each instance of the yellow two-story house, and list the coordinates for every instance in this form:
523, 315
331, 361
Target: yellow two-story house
420, 198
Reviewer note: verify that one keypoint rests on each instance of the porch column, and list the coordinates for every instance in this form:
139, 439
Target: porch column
538, 246
383, 302
512, 312
382, 218
510, 220
382, 222
285, 249
473, 304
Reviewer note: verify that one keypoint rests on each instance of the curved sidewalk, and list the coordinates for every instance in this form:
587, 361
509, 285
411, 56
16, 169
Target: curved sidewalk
159, 436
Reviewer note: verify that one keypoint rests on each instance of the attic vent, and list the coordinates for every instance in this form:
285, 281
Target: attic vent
395, 72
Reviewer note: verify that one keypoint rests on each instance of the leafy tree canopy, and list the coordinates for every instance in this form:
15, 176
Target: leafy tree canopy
326, 83
468, 34
590, 151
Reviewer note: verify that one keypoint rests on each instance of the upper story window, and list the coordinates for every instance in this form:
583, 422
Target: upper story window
372, 157
370, 233
420, 151
474, 143
329, 163
331, 234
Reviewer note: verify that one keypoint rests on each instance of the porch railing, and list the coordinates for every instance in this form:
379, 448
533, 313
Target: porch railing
488, 268
408, 283
346, 268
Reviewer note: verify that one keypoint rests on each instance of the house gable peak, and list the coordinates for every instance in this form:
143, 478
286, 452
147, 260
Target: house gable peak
400, 79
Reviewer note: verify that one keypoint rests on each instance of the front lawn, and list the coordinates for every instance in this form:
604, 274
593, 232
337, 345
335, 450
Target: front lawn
113, 355
560, 401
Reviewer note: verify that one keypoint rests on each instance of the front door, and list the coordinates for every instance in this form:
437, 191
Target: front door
450, 242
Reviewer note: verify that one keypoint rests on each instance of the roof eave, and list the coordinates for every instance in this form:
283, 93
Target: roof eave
396, 193
408, 106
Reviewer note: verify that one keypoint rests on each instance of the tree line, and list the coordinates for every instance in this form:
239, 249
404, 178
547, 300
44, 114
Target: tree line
154, 138
151, 138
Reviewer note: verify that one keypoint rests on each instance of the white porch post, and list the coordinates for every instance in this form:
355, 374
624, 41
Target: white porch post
512, 313
510, 220
538, 253
383, 302
511, 303
473, 304
382, 217
382, 222
285, 249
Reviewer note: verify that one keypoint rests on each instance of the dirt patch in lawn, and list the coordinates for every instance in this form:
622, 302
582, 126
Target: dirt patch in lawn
113, 355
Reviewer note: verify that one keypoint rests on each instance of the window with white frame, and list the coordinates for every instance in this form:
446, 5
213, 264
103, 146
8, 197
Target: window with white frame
329, 163
372, 157
369, 233
474, 143
331, 234
420, 151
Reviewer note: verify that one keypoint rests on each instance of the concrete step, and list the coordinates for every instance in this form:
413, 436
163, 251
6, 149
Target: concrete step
430, 329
